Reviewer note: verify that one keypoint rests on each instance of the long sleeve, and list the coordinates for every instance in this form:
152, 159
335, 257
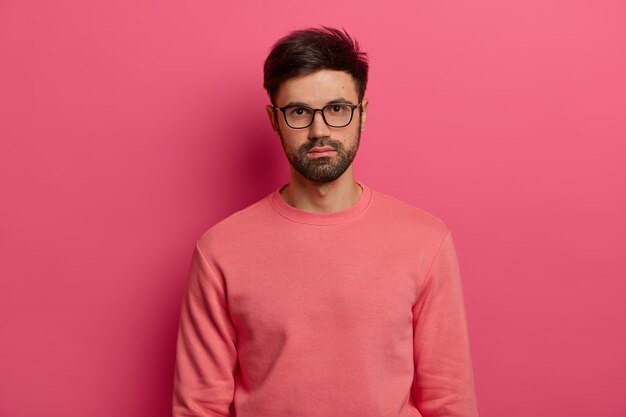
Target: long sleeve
444, 385
206, 354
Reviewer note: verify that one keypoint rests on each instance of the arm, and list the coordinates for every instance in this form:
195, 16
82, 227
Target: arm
206, 354
444, 385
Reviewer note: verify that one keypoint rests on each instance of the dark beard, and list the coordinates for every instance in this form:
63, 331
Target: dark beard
326, 168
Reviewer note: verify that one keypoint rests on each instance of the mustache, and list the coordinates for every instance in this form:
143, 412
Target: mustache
335, 144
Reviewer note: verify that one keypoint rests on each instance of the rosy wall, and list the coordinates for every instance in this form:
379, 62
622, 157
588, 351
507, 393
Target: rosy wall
130, 127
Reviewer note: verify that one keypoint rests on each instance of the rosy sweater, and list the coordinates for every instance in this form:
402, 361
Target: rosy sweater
357, 313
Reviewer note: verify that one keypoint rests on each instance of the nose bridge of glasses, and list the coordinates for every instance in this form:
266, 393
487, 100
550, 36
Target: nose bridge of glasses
323, 116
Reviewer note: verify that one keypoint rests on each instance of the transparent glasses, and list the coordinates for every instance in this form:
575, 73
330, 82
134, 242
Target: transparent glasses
298, 116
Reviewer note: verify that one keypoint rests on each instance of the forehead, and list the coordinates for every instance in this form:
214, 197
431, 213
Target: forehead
318, 88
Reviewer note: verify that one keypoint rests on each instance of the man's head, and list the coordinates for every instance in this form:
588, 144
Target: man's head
317, 69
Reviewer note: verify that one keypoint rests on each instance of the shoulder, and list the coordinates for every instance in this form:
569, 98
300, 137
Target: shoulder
237, 225
407, 216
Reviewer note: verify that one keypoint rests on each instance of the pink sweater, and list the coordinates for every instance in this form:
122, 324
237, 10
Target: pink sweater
357, 313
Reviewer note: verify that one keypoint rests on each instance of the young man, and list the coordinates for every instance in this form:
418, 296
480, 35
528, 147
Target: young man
326, 298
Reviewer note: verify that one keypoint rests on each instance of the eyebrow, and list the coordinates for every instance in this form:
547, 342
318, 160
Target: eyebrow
339, 100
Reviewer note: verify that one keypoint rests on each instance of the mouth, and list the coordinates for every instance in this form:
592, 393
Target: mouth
321, 149
318, 152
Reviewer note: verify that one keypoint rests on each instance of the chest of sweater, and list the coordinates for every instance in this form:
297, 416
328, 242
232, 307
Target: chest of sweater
328, 301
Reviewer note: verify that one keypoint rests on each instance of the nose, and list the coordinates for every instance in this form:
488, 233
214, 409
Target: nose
319, 128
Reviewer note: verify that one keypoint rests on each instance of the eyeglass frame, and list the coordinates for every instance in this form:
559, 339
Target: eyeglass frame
352, 107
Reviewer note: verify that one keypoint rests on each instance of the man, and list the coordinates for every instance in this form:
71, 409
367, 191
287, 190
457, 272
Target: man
326, 298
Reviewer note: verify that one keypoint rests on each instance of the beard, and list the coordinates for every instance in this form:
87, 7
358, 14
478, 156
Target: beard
323, 169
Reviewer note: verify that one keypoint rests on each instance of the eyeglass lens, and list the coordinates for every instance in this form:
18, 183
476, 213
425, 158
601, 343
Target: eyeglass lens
335, 115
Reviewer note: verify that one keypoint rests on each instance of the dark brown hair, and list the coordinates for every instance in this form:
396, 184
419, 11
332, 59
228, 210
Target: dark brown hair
305, 51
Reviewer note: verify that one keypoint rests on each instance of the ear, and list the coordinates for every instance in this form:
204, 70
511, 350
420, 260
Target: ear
271, 113
364, 113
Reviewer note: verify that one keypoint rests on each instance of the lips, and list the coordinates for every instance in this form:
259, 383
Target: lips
321, 149
323, 152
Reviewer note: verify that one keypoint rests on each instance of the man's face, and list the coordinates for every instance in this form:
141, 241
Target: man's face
302, 146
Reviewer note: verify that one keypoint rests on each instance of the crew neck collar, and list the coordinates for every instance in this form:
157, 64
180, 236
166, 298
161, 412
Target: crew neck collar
322, 219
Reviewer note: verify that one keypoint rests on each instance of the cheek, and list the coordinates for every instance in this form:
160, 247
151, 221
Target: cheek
293, 141
349, 138
294, 138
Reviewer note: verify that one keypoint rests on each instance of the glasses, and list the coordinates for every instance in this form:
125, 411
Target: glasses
298, 116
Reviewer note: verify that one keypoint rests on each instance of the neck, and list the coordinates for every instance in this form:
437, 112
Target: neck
331, 197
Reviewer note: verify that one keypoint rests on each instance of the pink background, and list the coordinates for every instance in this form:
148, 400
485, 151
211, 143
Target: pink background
128, 128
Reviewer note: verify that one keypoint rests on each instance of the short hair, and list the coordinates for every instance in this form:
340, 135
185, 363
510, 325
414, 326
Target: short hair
305, 51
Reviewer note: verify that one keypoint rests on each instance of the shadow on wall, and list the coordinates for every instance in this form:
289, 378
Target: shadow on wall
243, 159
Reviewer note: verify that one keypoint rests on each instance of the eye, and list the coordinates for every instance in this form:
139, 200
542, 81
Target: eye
298, 111
336, 109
